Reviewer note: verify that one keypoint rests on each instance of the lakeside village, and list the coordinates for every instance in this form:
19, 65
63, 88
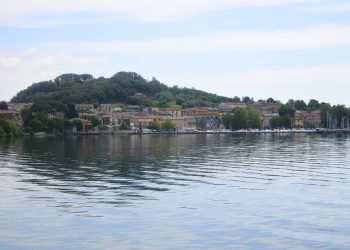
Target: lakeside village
262, 116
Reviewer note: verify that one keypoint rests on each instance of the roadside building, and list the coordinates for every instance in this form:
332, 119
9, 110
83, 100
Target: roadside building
84, 107
229, 106
87, 125
188, 112
12, 115
132, 108
207, 119
270, 108
144, 121
167, 112
138, 98
105, 108
266, 118
121, 118
105, 114
185, 122
304, 119
19, 106
86, 110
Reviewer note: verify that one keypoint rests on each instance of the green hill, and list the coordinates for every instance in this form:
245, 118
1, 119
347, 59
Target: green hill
120, 88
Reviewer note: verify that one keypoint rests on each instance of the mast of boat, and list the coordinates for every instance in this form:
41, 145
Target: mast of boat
335, 122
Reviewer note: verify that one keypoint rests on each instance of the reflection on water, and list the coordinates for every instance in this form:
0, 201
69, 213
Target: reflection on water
174, 192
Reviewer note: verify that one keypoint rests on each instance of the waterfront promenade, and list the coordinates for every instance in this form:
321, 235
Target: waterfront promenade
276, 131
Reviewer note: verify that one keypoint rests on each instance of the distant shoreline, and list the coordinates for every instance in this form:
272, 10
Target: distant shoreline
255, 132
311, 131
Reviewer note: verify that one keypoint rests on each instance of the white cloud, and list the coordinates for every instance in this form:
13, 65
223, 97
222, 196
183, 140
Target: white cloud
20, 69
144, 10
297, 77
334, 8
326, 83
316, 37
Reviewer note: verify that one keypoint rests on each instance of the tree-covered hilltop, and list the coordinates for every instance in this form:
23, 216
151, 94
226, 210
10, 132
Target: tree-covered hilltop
120, 88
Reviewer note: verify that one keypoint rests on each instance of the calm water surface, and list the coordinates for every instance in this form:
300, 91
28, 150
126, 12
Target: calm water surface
175, 192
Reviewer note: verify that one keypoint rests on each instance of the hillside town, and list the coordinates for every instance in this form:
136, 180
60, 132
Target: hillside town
112, 118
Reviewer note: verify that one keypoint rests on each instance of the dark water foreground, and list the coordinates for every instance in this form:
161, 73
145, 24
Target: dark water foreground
176, 192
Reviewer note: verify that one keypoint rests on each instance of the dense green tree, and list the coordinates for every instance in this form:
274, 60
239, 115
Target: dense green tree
78, 125
284, 121
326, 109
313, 104
300, 105
49, 106
275, 122
227, 120
168, 125
56, 124
240, 119
287, 109
163, 104
340, 112
124, 127
166, 96
180, 100
3, 105
236, 99
94, 120
9, 128
67, 124
74, 77
72, 88
6, 127
71, 112
153, 125
247, 99
253, 119
291, 102
35, 124
27, 115
189, 104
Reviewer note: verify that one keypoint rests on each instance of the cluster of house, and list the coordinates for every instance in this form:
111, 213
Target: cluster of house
303, 119
136, 117
14, 112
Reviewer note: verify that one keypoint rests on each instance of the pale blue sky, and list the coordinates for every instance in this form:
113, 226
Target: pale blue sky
283, 49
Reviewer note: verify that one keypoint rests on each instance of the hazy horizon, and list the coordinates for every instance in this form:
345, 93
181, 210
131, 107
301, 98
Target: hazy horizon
281, 49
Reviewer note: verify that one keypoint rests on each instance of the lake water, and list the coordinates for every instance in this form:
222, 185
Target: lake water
175, 192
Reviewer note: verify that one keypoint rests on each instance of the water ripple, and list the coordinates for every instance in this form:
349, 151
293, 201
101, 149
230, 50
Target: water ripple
222, 190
